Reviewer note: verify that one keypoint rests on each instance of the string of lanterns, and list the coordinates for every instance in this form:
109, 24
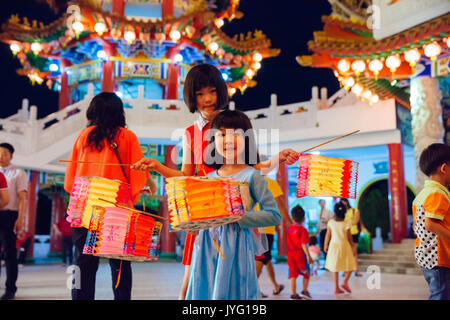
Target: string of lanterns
346, 68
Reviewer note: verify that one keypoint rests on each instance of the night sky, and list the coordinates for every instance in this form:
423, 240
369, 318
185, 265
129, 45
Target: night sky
288, 23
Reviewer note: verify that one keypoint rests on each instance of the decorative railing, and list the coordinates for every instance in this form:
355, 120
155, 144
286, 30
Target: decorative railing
150, 119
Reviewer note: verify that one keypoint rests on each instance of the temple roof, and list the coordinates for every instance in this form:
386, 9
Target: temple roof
197, 29
346, 35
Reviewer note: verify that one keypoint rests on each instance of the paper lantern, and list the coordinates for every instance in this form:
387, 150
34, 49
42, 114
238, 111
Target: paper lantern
358, 66
325, 176
432, 50
118, 233
343, 66
375, 66
100, 28
86, 192
203, 202
393, 62
412, 56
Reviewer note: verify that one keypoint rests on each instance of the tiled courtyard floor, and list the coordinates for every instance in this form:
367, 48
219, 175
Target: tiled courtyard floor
161, 281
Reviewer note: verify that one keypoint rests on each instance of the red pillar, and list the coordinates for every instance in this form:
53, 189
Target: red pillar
167, 8
108, 69
30, 222
64, 93
171, 91
168, 237
57, 215
118, 7
397, 193
282, 179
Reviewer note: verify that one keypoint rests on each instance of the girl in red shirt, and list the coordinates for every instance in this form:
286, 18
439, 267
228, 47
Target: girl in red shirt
204, 92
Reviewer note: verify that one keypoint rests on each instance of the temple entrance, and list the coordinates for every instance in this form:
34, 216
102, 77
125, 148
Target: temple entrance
374, 208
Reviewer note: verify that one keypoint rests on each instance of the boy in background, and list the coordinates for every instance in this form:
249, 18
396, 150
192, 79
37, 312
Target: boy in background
431, 210
298, 258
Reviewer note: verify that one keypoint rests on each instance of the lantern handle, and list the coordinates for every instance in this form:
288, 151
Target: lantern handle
326, 142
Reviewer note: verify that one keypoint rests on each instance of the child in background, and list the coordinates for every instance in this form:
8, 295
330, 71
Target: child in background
232, 152
63, 229
431, 211
338, 247
314, 251
298, 258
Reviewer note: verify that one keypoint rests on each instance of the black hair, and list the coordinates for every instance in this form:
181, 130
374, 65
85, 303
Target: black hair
345, 202
231, 119
340, 211
6, 145
106, 113
320, 200
313, 240
433, 157
298, 214
199, 77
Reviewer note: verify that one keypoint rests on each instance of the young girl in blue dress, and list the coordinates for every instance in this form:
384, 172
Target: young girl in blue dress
232, 152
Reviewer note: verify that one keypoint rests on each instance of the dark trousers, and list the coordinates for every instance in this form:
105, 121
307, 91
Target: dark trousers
8, 240
88, 266
67, 249
322, 241
23, 251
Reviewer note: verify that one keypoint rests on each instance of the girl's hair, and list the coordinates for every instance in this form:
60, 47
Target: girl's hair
232, 119
345, 202
340, 210
199, 77
106, 113
312, 240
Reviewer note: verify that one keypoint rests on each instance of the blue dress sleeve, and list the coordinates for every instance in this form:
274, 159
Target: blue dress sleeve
269, 214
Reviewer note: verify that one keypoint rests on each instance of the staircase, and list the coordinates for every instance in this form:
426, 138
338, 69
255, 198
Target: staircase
393, 258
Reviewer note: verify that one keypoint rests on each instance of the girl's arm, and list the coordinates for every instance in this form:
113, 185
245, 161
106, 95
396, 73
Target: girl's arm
327, 239
268, 214
283, 210
355, 216
287, 155
187, 169
349, 236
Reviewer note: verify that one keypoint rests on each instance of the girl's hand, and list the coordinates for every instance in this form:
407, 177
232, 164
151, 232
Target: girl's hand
288, 155
309, 259
325, 249
146, 164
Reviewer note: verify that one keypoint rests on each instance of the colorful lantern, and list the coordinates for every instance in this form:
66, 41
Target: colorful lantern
203, 202
122, 234
325, 176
